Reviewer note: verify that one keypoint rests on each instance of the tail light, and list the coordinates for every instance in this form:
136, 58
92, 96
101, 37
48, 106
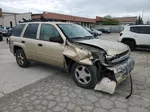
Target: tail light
121, 34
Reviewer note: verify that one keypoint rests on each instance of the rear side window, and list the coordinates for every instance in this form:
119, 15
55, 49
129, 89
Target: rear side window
18, 30
141, 29
31, 31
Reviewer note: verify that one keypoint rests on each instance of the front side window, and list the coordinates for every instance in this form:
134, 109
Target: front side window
74, 31
31, 31
18, 30
48, 31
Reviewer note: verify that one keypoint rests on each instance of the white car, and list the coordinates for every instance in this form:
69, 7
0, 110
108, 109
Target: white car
136, 36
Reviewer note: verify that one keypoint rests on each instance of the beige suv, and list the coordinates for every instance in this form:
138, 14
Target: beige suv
93, 63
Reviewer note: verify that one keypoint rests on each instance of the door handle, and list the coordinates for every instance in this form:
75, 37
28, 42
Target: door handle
40, 45
22, 41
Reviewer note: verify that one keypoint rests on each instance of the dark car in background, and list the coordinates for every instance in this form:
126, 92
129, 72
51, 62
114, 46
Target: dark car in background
94, 33
1, 36
104, 30
6, 31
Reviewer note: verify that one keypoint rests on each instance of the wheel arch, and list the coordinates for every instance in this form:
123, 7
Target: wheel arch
68, 63
130, 39
15, 48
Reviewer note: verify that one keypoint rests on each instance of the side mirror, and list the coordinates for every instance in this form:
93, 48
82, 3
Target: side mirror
56, 39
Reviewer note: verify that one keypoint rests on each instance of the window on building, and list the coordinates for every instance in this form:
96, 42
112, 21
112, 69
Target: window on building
11, 24
18, 30
31, 31
48, 31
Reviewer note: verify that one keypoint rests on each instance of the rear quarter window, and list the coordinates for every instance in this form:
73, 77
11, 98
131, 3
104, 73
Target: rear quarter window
18, 30
31, 31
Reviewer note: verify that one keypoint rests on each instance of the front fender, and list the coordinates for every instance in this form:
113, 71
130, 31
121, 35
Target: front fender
78, 54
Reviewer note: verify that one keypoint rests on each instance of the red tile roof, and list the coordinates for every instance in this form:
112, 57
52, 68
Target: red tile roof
99, 18
126, 19
56, 16
63, 17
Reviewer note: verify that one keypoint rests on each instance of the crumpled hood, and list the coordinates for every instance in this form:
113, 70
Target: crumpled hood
112, 48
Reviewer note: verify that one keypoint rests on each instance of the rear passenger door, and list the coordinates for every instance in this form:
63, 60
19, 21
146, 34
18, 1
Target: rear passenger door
30, 41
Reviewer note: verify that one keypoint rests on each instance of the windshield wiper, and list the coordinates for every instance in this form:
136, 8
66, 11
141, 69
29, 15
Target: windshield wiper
85, 37
88, 37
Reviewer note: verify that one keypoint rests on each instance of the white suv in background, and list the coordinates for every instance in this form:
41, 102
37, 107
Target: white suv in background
136, 36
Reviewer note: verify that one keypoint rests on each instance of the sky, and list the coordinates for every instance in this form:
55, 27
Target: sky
84, 8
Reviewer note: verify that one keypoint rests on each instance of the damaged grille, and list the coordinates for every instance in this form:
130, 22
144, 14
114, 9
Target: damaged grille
121, 57
122, 54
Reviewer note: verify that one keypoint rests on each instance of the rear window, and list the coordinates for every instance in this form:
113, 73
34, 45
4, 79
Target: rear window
18, 30
31, 31
141, 29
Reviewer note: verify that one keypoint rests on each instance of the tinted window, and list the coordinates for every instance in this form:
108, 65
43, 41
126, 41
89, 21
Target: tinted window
31, 31
18, 30
141, 29
48, 31
145, 30
134, 29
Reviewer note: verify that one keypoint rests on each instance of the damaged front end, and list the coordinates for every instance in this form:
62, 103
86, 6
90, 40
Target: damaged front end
115, 75
112, 70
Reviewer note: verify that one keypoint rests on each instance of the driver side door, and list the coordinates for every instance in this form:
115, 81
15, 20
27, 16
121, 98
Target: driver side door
48, 51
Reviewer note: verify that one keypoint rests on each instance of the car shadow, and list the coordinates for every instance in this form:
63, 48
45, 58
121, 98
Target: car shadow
44, 66
142, 50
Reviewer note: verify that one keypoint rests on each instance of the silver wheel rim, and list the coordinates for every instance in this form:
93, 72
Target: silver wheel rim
82, 75
20, 59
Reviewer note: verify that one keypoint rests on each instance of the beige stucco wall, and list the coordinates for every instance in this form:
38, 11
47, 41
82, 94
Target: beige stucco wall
8, 19
26, 16
14, 18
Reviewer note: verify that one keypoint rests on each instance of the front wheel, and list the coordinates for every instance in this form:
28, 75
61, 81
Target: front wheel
84, 76
21, 58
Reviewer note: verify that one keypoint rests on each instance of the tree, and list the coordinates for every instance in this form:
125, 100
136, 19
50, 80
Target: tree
109, 22
107, 17
148, 22
139, 20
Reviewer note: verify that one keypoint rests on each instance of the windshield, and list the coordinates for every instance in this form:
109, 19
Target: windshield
74, 31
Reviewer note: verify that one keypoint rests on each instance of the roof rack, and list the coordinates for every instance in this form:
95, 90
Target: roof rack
42, 19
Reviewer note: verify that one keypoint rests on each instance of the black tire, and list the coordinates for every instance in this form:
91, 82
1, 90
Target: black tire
1, 37
93, 80
25, 62
130, 44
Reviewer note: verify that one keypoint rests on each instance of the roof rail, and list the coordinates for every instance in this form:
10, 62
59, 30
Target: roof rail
35, 20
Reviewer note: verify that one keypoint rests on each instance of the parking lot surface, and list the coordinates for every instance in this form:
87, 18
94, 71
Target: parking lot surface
58, 92
12, 77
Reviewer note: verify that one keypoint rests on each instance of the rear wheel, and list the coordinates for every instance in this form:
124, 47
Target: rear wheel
84, 76
21, 58
130, 44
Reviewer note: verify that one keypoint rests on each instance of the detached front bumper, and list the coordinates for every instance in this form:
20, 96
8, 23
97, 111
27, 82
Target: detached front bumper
120, 72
